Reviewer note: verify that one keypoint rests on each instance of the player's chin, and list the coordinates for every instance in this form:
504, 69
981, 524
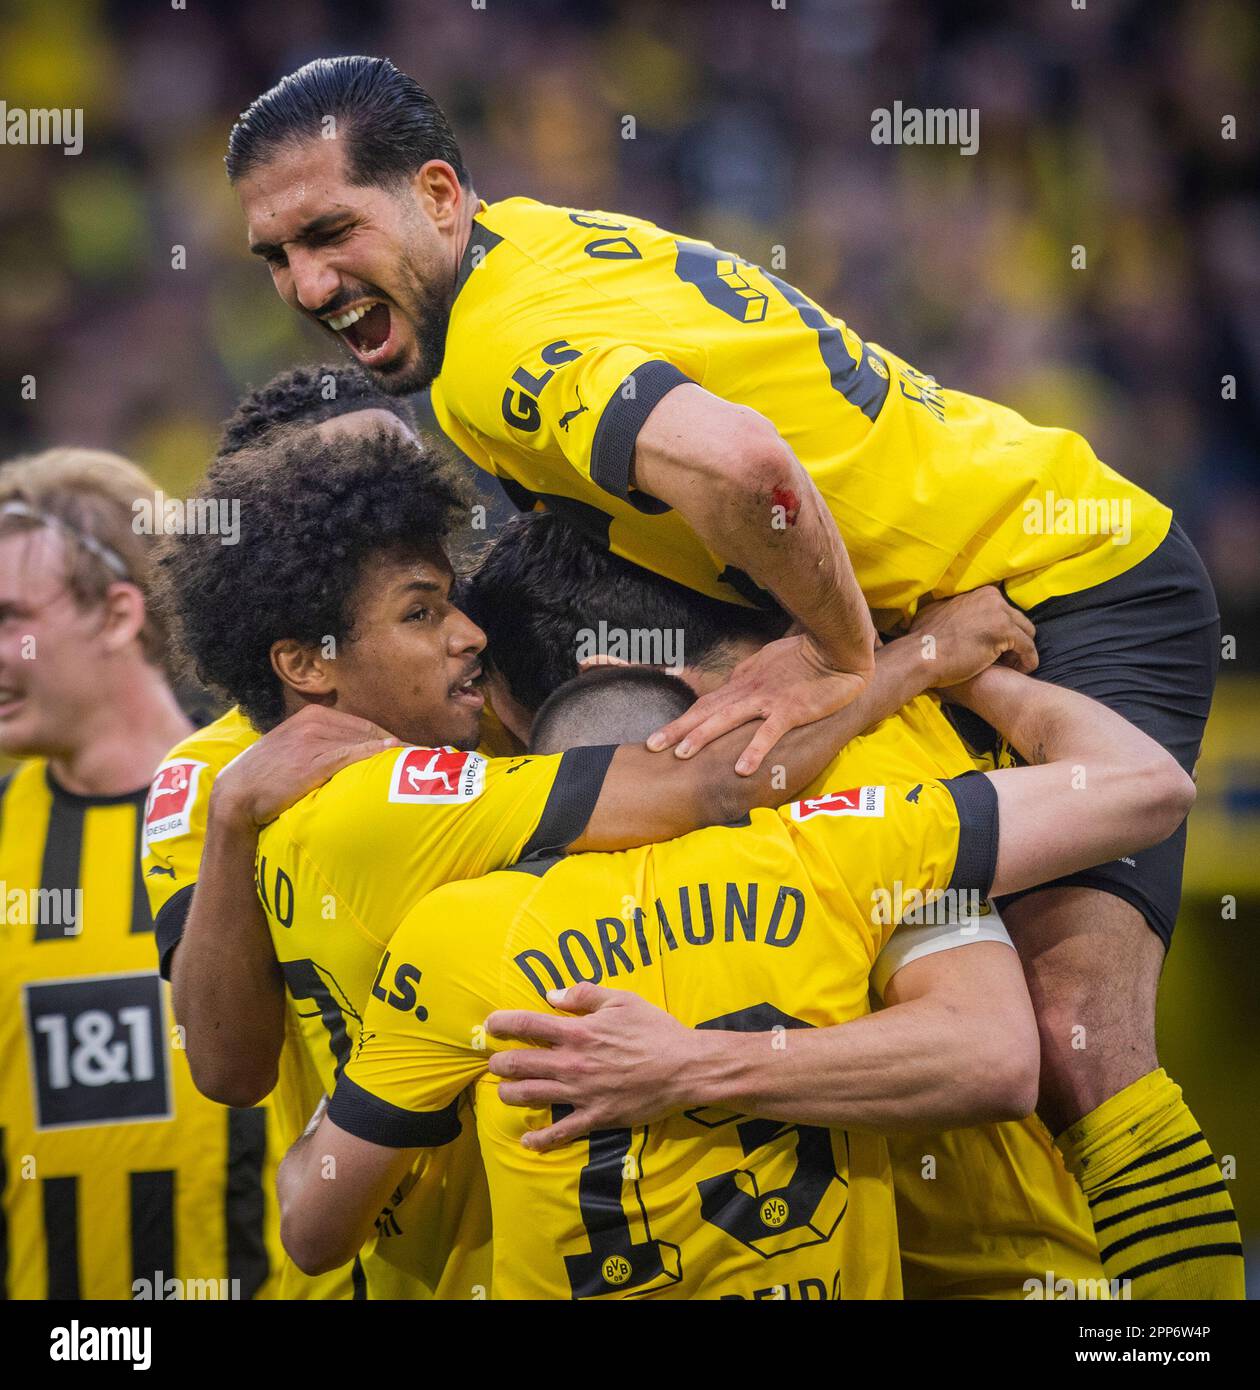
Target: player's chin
395, 363
464, 722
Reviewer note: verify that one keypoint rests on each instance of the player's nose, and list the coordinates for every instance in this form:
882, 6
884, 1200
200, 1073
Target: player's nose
466, 636
314, 281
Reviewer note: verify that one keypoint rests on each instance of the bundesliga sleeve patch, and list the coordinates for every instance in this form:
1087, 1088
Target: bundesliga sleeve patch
857, 801
172, 796
431, 775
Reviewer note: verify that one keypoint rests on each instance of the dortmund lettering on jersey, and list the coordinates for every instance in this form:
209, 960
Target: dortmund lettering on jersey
765, 927
118, 1177
336, 874
568, 327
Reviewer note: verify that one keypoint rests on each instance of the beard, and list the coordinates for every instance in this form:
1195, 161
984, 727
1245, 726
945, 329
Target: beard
428, 308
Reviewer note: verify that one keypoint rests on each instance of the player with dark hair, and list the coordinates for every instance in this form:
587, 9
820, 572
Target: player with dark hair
311, 396
708, 420
209, 903
338, 596
744, 933
541, 583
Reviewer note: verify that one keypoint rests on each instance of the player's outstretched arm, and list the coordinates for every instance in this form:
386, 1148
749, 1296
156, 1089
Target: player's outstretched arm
1096, 788
647, 797
727, 470
331, 1186
226, 987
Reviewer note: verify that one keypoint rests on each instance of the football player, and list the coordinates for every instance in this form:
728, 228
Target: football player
760, 940
707, 419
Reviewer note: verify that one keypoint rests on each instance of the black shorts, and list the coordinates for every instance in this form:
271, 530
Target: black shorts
1147, 645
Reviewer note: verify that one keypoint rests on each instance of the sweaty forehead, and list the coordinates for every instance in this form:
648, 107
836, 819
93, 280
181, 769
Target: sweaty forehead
299, 182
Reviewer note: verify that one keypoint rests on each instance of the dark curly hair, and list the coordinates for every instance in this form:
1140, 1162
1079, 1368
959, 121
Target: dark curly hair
312, 514
308, 396
541, 582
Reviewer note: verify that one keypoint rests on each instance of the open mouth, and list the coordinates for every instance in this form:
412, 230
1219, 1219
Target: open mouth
468, 692
367, 329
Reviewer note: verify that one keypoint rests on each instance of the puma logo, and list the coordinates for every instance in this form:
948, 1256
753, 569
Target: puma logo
572, 414
161, 869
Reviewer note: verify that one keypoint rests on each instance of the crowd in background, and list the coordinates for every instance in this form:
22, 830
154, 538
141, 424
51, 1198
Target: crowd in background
1099, 128
133, 317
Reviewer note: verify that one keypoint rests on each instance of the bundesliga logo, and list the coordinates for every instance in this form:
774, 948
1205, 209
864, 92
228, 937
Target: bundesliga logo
171, 797
431, 775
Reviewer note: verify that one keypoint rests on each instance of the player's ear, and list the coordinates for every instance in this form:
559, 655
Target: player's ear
438, 191
302, 667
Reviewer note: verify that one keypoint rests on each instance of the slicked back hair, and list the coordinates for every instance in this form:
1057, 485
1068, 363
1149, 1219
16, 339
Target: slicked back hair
307, 396
608, 704
388, 123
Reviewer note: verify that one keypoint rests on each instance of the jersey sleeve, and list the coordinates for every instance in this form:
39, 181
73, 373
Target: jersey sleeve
893, 848
396, 826
423, 1039
174, 836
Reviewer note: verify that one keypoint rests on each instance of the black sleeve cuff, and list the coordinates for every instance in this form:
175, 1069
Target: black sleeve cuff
976, 802
574, 793
168, 929
369, 1117
612, 449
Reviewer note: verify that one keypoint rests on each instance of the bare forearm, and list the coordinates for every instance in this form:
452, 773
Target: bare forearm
654, 796
726, 469
1047, 723
919, 1066
227, 990
777, 529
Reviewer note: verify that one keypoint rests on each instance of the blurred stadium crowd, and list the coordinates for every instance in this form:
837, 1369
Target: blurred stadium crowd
129, 300
1099, 127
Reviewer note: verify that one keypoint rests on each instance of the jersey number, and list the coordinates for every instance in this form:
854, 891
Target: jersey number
765, 1205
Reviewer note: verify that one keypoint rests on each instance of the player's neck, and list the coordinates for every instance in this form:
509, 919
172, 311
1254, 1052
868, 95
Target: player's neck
123, 736
469, 211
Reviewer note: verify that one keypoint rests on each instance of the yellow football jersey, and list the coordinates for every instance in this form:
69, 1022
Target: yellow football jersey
337, 873
979, 1210
763, 927
175, 834
568, 327
118, 1177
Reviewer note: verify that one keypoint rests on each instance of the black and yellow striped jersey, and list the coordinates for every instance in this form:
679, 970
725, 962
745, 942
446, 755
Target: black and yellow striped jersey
118, 1176
568, 327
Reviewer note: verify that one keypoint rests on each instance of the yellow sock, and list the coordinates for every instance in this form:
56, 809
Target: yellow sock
1162, 1214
